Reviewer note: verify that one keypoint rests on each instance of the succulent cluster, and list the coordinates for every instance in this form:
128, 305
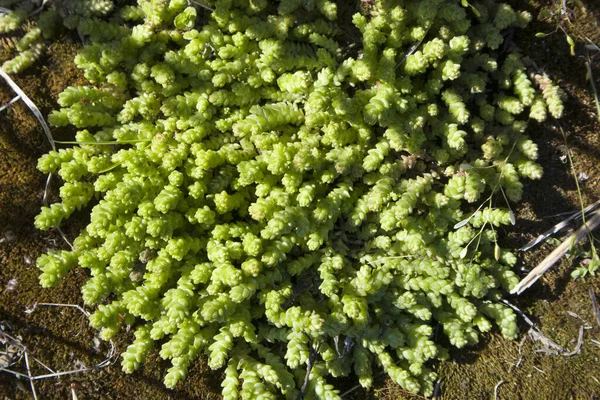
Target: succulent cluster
268, 193
73, 14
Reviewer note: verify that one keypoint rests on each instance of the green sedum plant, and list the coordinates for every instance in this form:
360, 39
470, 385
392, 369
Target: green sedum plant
269, 196
82, 15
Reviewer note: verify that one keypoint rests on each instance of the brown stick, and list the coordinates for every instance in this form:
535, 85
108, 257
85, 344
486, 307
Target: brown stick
557, 254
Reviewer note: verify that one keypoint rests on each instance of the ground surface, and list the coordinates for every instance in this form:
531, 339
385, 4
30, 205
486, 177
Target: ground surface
60, 337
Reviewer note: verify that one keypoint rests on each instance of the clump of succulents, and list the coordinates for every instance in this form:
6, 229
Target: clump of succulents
266, 195
46, 18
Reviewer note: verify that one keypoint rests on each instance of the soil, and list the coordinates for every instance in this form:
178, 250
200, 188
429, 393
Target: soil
496, 368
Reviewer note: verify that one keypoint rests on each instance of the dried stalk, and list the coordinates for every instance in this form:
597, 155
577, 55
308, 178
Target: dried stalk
558, 253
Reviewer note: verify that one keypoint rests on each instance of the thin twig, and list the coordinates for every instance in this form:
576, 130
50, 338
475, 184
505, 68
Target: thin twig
558, 227
43, 365
586, 324
309, 366
521, 313
75, 306
413, 48
352, 389
39, 9
36, 111
577, 348
64, 237
15, 342
201, 5
520, 360
437, 390
496, 390
57, 374
15, 373
47, 189
592, 47
106, 362
30, 377
588, 65
552, 348
539, 370
13, 100
536, 335
595, 305
557, 254
31, 105
347, 392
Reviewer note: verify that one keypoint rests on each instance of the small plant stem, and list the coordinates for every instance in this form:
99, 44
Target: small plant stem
590, 76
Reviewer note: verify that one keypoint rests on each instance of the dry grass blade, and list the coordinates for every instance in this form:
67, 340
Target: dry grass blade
558, 227
437, 390
13, 348
496, 389
590, 76
352, 389
595, 305
197, 3
13, 100
577, 348
32, 308
105, 363
30, 377
39, 9
30, 104
557, 254
550, 346
36, 111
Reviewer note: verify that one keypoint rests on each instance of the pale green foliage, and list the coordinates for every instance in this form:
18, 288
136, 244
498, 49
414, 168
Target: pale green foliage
73, 14
266, 202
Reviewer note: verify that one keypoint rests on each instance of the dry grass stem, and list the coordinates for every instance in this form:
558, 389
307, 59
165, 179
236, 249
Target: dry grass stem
539, 370
437, 390
558, 227
496, 389
15, 351
352, 389
520, 360
558, 253
590, 76
32, 308
34, 109
10, 103
200, 5
30, 377
579, 344
595, 305
550, 346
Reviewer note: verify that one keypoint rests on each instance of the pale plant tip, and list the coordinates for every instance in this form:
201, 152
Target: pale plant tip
513, 220
462, 223
463, 252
